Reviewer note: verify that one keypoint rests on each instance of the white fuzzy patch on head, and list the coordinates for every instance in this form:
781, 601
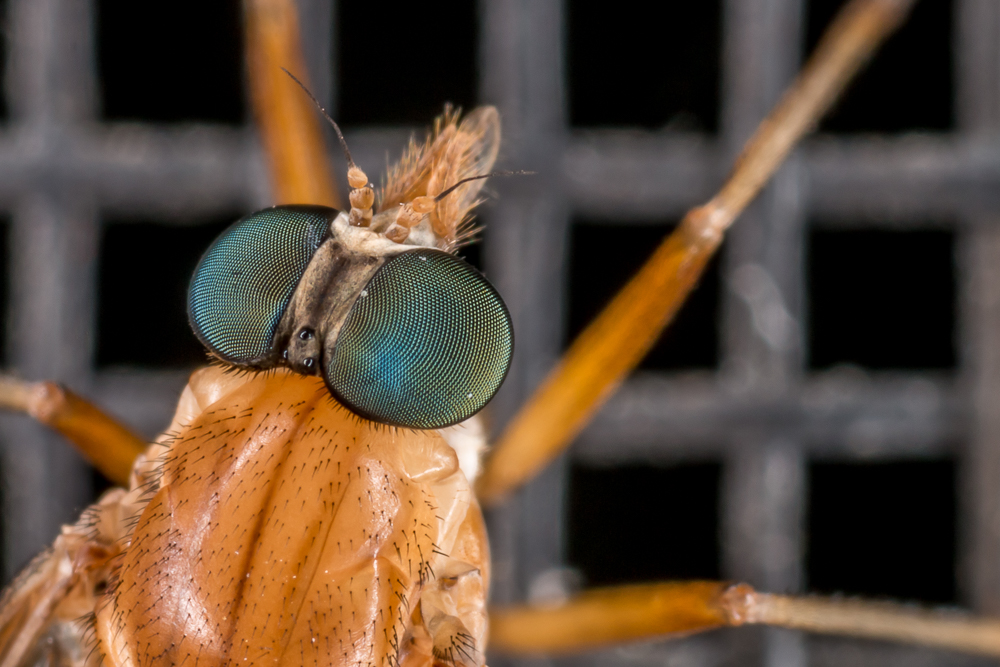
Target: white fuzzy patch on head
422, 235
468, 439
368, 242
362, 239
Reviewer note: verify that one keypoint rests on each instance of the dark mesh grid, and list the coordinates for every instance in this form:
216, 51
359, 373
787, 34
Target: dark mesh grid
758, 412
246, 278
426, 345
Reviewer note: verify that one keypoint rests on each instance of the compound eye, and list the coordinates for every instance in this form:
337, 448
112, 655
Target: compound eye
246, 278
426, 345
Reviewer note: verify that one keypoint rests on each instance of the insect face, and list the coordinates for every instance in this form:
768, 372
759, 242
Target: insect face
407, 336
246, 278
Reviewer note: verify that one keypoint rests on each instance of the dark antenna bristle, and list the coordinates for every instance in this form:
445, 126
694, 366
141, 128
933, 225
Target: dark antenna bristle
336, 128
476, 178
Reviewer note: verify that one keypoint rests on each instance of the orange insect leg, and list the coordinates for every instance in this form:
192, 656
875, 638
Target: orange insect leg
614, 343
604, 617
288, 121
106, 443
608, 616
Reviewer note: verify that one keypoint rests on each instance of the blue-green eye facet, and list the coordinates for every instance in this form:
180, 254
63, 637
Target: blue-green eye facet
246, 278
426, 345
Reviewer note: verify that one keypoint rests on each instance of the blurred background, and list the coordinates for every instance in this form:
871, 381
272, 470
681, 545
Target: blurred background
822, 416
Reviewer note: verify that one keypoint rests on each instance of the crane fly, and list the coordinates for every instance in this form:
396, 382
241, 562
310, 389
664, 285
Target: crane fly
315, 499
311, 508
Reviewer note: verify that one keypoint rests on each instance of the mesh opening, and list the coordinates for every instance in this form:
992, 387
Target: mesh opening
883, 529
678, 46
423, 59
637, 523
144, 271
882, 299
169, 63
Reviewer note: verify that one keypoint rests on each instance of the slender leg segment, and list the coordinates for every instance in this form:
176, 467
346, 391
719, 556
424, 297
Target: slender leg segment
605, 617
614, 343
609, 616
293, 140
106, 443
953, 630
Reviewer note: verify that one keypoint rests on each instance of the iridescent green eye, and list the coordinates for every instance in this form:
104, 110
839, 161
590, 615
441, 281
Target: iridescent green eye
426, 345
247, 277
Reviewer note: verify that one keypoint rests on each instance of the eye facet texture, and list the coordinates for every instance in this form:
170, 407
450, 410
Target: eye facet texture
426, 345
246, 278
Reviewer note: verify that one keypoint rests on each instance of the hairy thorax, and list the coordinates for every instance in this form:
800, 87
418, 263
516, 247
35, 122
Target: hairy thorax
278, 528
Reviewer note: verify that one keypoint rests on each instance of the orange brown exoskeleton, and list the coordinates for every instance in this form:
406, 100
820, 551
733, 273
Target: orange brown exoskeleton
285, 530
229, 545
271, 525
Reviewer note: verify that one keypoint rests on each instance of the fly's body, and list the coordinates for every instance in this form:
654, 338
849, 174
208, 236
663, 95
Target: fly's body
283, 530
309, 508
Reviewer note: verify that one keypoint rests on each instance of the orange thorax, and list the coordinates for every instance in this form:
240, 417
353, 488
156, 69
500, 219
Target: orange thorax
286, 530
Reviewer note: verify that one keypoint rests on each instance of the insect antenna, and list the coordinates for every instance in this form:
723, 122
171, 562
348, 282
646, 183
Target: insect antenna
362, 197
454, 187
336, 128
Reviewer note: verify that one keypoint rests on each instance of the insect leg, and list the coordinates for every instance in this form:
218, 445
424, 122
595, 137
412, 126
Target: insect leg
29, 606
300, 172
48, 604
106, 443
604, 617
617, 340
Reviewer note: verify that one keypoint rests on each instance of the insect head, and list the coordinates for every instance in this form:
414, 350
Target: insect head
404, 335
